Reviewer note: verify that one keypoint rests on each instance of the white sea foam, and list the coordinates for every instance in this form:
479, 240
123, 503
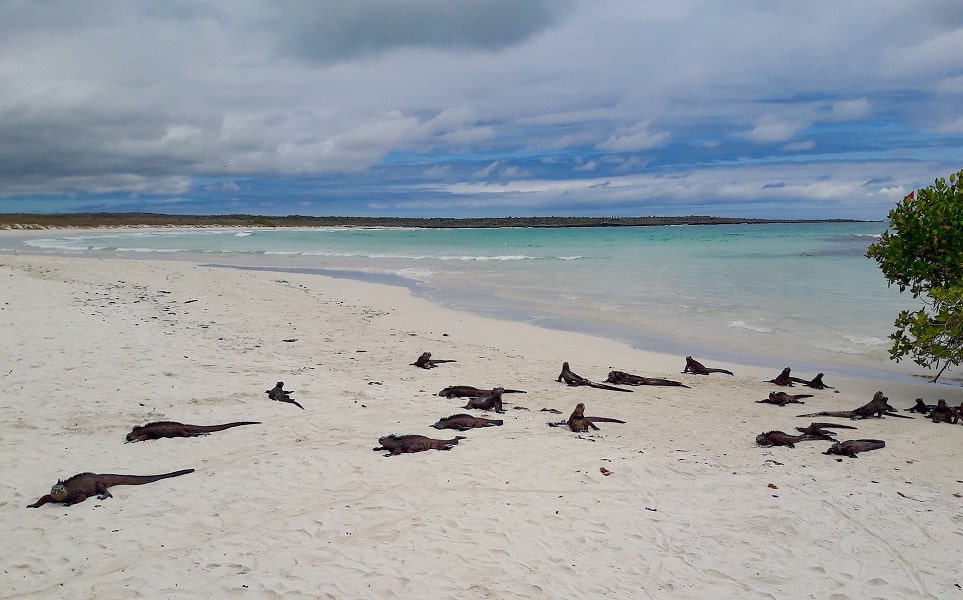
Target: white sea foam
54, 243
857, 345
242, 234
865, 341
744, 325
150, 250
839, 349
486, 258
416, 274
67, 248
339, 254
395, 256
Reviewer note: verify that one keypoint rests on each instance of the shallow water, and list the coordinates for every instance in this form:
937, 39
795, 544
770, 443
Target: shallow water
802, 295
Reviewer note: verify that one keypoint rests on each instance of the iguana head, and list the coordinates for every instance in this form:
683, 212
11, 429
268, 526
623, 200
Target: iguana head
59, 491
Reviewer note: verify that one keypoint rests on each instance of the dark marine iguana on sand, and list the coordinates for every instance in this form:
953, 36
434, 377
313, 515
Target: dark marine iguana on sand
782, 398
492, 401
943, 413
170, 429
697, 368
84, 485
822, 428
851, 447
467, 391
816, 382
921, 407
464, 422
578, 422
576, 380
425, 361
623, 378
781, 438
401, 444
281, 395
877, 407
783, 378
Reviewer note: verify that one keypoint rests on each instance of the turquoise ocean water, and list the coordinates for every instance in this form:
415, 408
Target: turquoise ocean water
774, 295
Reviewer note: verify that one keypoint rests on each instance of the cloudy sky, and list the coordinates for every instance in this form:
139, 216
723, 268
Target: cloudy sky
814, 108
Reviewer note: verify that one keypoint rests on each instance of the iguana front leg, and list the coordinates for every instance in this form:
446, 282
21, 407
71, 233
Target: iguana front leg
102, 492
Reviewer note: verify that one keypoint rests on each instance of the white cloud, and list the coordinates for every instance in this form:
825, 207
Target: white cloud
952, 86
467, 136
941, 53
634, 138
848, 110
487, 171
954, 126
800, 146
816, 183
770, 129
436, 172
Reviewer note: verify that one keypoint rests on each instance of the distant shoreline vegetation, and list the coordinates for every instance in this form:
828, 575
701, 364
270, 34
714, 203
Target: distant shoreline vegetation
26, 221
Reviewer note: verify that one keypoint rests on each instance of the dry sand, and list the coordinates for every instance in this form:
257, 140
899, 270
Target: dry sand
301, 507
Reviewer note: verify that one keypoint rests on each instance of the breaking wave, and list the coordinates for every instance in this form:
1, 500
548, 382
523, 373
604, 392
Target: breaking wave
744, 325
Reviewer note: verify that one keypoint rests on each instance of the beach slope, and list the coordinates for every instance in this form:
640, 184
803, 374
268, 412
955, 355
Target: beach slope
677, 502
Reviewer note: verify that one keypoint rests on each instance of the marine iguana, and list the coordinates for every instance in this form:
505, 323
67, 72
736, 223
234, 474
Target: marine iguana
878, 406
943, 413
425, 361
697, 368
816, 382
467, 391
401, 444
783, 378
576, 380
464, 422
629, 379
281, 395
851, 447
921, 407
782, 398
578, 422
822, 428
781, 438
492, 401
170, 429
83, 485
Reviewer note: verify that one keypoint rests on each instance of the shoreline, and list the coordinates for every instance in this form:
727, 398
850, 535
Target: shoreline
300, 505
648, 340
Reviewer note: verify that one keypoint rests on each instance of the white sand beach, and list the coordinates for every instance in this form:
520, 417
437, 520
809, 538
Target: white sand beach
678, 502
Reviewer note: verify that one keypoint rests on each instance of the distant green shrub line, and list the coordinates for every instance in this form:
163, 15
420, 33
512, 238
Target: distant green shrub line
95, 220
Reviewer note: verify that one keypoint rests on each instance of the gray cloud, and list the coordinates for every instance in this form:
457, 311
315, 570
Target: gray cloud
332, 31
